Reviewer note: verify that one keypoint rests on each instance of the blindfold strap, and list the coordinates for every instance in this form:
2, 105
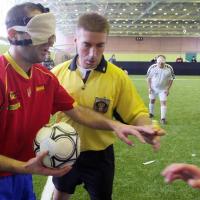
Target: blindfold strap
24, 42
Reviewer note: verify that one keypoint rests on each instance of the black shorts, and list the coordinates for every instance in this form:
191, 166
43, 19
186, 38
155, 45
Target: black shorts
95, 169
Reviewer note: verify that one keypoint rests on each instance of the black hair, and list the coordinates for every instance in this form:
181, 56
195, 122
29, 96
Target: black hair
18, 15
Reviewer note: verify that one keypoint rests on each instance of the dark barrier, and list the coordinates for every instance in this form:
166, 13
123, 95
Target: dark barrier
142, 67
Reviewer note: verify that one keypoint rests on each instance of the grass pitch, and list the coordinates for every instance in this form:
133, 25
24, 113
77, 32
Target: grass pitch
135, 181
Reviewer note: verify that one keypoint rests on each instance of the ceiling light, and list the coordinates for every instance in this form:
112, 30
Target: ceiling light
136, 9
165, 13
131, 13
154, 13
184, 9
172, 9
160, 9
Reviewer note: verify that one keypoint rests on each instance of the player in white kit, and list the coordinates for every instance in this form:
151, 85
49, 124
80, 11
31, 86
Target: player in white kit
160, 77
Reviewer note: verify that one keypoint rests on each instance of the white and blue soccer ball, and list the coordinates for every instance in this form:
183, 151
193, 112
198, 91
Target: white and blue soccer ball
61, 141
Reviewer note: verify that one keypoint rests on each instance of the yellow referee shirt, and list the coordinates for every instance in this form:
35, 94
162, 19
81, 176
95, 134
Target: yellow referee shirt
108, 90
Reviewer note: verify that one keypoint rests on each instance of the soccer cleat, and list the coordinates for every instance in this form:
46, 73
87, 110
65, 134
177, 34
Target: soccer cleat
151, 115
163, 121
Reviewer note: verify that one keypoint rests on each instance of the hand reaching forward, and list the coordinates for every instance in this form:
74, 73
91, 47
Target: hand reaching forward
154, 139
186, 172
35, 166
145, 134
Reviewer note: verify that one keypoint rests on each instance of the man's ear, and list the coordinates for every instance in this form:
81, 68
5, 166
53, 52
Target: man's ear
12, 34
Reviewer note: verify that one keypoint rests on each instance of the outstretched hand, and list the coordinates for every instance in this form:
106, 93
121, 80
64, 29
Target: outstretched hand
154, 139
145, 134
186, 172
35, 166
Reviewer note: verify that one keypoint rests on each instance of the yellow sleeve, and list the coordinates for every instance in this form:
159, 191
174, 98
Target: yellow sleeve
129, 103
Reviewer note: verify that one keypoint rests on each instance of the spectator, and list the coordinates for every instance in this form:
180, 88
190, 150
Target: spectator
193, 59
112, 59
153, 60
48, 62
179, 59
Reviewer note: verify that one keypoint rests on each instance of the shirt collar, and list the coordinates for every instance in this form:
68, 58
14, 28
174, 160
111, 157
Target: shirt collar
102, 66
16, 67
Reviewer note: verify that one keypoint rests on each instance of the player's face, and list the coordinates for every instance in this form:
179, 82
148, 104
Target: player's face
35, 53
161, 61
90, 47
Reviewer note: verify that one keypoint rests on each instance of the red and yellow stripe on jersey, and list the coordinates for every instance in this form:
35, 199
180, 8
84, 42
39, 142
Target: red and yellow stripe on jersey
26, 103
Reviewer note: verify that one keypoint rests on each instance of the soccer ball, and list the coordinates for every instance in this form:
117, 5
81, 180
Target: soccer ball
61, 141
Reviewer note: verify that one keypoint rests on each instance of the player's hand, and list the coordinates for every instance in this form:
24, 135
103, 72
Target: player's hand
186, 172
123, 131
154, 139
35, 166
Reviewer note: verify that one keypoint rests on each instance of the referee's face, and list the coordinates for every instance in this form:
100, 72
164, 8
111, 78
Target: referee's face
90, 47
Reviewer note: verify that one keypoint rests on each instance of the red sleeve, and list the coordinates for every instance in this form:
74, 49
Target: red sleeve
62, 100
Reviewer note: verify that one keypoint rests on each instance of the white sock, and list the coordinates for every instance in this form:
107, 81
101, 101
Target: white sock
48, 189
163, 110
151, 108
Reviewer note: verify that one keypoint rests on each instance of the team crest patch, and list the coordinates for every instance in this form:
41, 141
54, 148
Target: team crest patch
101, 105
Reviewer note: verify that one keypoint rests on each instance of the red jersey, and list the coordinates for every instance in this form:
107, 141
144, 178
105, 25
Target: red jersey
26, 103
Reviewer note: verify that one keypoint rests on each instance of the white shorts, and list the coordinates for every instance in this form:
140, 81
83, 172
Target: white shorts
161, 93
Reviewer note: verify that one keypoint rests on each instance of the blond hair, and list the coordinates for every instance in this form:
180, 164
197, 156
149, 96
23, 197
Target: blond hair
93, 22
